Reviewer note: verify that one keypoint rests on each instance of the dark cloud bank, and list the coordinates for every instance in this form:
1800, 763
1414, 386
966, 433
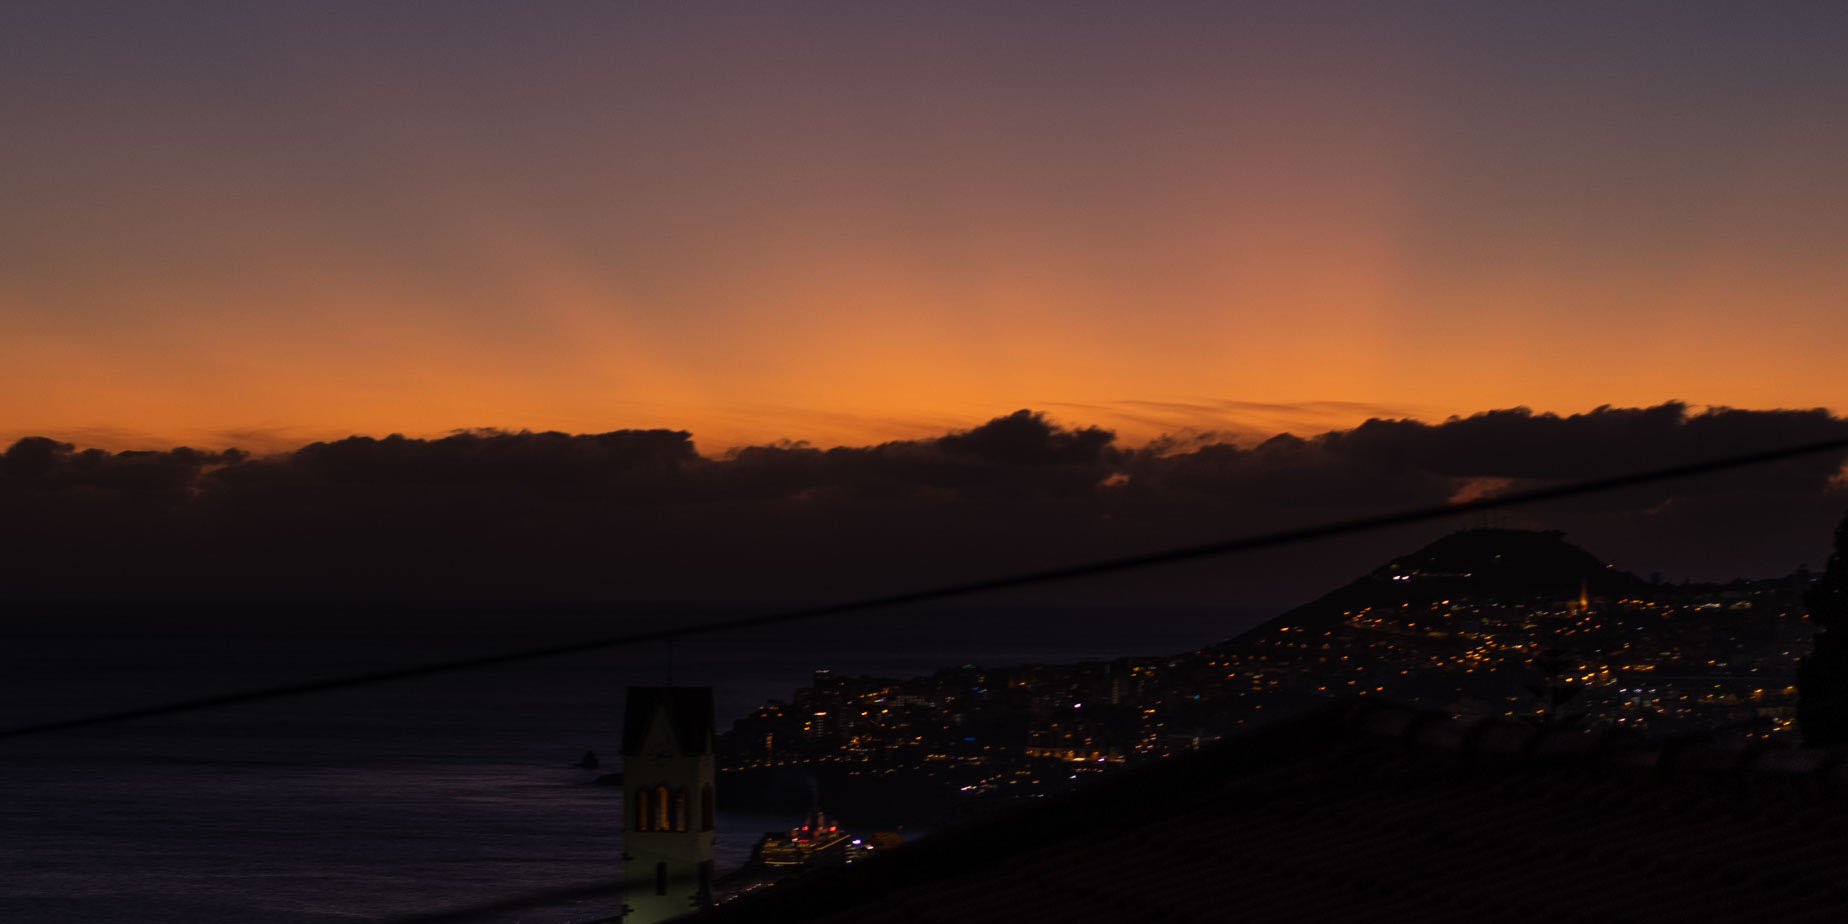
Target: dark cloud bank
633, 516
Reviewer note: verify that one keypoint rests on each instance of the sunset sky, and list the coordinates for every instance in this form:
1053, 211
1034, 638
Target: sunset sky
258, 224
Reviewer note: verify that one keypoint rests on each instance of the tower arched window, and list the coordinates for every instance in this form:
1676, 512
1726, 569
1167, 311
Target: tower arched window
662, 821
643, 818
680, 810
707, 808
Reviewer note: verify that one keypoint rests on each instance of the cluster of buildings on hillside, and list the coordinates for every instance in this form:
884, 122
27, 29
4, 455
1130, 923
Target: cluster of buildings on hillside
1715, 659
1720, 660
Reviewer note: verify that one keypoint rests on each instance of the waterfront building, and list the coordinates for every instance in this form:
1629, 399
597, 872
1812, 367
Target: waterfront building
668, 774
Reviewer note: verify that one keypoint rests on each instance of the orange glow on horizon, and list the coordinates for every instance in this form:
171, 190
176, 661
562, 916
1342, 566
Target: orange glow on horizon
890, 225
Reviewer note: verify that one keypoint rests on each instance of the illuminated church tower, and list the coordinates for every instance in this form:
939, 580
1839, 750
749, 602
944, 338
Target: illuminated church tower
667, 769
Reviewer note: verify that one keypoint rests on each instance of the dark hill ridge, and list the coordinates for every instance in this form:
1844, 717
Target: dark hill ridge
1507, 564
1510, 565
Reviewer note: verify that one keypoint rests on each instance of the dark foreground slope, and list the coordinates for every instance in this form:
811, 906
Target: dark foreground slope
1370, 812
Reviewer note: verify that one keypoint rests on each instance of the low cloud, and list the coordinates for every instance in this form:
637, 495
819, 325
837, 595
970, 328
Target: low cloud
639, 515
1479, 488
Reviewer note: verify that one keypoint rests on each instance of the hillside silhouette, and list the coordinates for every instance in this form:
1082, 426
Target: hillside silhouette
1510, 565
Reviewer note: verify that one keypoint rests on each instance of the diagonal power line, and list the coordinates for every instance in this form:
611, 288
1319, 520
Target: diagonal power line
1019, 579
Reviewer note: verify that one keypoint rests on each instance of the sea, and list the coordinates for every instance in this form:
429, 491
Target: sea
451, 797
